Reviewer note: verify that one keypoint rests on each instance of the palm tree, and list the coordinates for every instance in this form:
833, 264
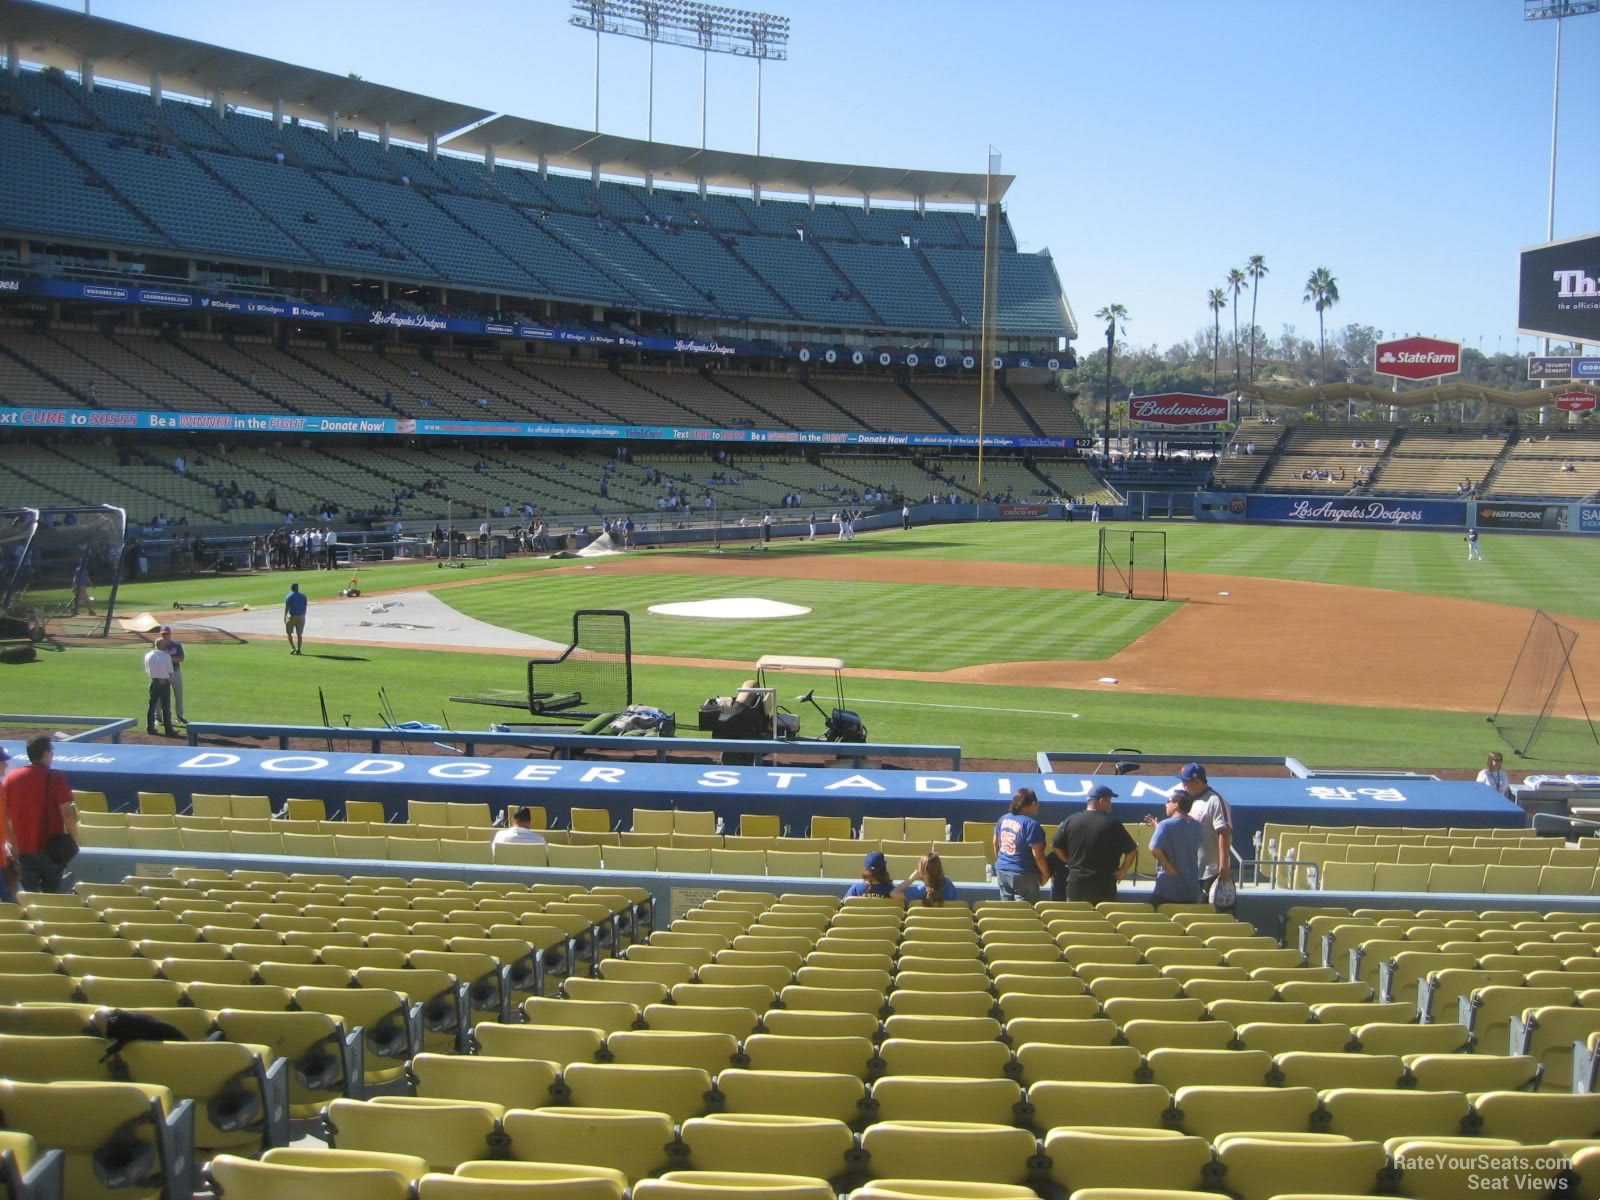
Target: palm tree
1256, 268
1113, 315
1216, 301
1322, 290
1235, 283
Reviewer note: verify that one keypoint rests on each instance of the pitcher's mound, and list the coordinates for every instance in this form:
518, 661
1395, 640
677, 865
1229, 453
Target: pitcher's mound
731, 608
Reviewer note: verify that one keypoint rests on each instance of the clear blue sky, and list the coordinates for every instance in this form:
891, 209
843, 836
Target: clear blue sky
1403, 144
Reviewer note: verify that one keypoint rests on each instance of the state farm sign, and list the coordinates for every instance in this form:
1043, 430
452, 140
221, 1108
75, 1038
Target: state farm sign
1178, 408
1417, 358
1575, 402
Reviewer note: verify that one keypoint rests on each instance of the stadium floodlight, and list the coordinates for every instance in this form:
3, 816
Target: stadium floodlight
1555, 10
708, 28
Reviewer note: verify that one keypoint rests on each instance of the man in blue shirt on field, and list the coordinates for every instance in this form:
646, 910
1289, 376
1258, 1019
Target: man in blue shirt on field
1176, 847
294, 618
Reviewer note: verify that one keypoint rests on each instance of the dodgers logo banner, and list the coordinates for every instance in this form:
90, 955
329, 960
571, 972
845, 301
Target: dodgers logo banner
1178, 408
1355, 510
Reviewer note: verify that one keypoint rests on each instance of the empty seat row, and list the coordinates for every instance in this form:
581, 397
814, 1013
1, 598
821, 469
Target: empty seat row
640, 1142
1252, 1167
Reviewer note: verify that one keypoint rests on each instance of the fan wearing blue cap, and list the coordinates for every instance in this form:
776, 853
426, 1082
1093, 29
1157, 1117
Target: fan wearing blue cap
1098, 851
875, 880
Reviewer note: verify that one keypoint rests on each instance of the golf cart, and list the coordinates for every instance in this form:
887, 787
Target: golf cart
753, 712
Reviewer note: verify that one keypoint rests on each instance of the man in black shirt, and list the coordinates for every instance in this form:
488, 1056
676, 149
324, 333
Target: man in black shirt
1098, 851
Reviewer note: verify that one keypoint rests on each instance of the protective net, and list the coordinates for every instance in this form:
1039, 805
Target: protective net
592, 676
1542, 704
1132, 563
60, 568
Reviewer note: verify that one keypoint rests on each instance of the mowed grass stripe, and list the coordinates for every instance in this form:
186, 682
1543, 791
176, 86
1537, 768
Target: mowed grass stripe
915, 627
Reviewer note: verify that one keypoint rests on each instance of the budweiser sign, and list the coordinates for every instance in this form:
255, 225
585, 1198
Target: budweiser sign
1178, 408
1575, 402
1417, 358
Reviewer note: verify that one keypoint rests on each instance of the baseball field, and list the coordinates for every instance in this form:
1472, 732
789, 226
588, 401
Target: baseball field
1342, 647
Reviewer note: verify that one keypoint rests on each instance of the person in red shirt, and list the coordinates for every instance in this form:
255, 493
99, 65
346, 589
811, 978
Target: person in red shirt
38, 806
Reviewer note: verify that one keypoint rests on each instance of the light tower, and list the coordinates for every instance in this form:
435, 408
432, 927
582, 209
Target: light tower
708, 28
1555, 10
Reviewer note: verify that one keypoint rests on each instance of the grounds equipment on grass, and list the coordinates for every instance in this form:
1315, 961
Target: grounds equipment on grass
591, 678
754, 712
840, 723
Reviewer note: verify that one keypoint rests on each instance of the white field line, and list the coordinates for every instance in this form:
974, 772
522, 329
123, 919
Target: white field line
1035, 712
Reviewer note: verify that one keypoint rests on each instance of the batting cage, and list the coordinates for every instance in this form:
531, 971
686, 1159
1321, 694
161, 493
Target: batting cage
592, 676
1542, 674
59, 569
1132, 564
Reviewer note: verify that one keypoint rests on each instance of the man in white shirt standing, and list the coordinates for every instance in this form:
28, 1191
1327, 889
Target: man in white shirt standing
519, 831
1216, 828
158, 667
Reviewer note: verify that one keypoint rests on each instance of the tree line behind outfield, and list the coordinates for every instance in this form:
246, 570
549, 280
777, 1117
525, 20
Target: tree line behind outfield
1285, 361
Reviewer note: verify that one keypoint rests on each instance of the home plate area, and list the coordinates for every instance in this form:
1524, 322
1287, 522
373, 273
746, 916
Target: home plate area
731, 608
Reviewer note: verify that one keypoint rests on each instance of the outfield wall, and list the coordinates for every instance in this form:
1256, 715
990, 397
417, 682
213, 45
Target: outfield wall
794, 793
787, 525
1381, 512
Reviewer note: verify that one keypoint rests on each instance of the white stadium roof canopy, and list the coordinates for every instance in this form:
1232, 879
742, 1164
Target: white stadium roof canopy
58, 37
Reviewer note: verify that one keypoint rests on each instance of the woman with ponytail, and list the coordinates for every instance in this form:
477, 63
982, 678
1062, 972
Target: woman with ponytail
927, 883
1020, 866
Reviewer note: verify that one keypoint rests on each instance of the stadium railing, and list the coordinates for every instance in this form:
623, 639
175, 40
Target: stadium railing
100, 729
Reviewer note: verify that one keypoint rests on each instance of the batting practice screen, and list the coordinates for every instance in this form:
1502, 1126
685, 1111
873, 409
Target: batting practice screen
593, 676
1132, 564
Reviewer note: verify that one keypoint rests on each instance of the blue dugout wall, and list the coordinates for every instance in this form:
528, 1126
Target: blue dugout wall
794, 793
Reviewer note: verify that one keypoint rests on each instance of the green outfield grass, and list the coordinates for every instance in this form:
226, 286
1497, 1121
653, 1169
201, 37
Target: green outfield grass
897, 626
914, 627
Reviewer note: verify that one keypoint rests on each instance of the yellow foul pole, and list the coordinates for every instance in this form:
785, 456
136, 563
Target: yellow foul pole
991, 298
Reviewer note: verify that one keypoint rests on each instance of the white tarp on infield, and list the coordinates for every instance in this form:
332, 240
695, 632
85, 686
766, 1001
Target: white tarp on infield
414, 618
601, 547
